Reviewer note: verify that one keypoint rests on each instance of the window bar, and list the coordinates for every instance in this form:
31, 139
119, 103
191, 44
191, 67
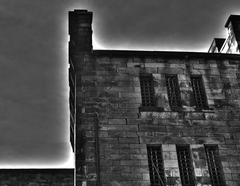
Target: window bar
238, 76
214, 165
173, 92
185, 165
156, 168
147, 90
199, 92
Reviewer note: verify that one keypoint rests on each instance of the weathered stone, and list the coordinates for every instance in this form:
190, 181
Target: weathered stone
115, 122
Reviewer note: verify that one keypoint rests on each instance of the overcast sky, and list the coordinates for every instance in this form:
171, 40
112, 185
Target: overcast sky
34, 118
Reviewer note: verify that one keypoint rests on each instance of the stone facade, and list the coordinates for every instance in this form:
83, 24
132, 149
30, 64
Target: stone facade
114, 129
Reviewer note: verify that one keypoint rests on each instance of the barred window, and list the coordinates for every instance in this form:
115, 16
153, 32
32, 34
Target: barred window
147, 90
156, 168
173, 91
185, 165
214, 165
199, 92
238, 76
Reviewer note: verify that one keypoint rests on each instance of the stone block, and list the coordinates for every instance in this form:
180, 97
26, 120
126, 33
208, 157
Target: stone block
154, 65
146, 176
138, 156
152, 128
143, 162
130, 128
118, 156
168, 70
235, 177
228, 177
111, 127
115, 133
130, 162
117, 121
171, 163
169, 147
129, 140
195, 116
177, 65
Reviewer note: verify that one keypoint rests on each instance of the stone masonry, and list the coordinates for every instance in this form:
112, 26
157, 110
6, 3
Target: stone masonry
113, 129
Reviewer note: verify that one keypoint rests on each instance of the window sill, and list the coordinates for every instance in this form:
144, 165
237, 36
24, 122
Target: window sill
150, 109
179, 110
207, 109
176, 109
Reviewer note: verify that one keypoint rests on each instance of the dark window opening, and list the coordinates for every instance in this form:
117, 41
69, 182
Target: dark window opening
238, 76
185, 165
214, 165
173, 91
199, 92
147, 90
156, 168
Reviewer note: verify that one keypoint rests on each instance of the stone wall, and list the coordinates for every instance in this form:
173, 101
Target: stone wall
117, 132
36, 177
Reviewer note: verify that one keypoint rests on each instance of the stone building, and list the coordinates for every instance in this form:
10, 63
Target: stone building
232, 43
146, 118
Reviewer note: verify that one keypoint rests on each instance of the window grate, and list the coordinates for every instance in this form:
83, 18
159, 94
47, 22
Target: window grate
214, 165
199, 92
173, 92
156, 168
185, 165
238, 76
147, 90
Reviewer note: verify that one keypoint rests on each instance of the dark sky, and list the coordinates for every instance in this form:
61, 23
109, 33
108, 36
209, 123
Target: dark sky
34, 118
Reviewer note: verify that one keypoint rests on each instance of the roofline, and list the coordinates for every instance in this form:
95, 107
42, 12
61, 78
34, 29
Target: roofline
231, 17
212, 43
166, 54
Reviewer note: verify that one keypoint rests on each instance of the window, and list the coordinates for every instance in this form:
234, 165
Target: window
156, 168
214, 165
173, 92
199, 92
238, 76
185, 165
147, 90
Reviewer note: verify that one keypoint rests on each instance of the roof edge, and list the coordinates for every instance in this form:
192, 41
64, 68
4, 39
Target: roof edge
168, 54
231, 18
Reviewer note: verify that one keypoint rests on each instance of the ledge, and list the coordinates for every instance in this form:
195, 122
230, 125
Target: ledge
207, 109
179, 110
165, 54
151, 109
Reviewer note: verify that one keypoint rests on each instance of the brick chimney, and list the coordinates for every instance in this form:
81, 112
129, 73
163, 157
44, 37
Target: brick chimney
80, 31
